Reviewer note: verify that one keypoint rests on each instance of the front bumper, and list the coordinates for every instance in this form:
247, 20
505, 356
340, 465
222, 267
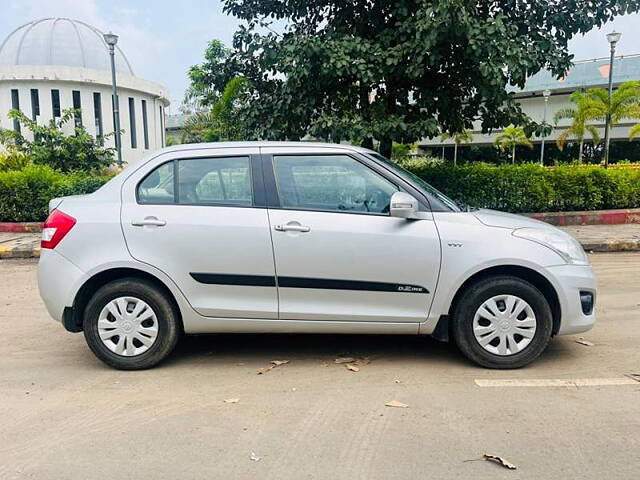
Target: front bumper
573, 284
58, 279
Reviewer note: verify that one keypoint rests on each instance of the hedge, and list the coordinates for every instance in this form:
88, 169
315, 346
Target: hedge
25, 194
532, 188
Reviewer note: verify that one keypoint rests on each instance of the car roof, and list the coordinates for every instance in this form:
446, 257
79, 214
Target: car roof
193, 146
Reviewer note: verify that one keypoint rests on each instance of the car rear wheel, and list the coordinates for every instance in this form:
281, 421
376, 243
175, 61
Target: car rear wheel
502, 322
130, 324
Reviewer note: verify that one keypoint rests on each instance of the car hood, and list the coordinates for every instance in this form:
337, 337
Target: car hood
494, 218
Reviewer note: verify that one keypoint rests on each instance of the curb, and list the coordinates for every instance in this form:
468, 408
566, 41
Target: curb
21, 227
23, 251
595, 217
33, 251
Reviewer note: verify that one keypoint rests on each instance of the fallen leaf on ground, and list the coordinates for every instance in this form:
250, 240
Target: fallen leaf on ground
325, 364
255, 458
232, 400
274, 364
344, 360
352, 367
499, 460
396, 403
584, 342
363, 361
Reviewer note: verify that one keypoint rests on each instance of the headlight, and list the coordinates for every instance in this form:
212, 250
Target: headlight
562, 243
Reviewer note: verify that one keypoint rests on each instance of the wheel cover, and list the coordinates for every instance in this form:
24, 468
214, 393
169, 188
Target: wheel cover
504, 325
128, 326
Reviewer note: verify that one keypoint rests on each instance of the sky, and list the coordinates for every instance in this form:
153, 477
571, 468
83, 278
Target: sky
163, 38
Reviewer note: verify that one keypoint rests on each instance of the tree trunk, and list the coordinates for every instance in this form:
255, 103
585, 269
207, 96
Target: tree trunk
443, 153
455, 154
385, 147
513, 155
367, 143
580, 151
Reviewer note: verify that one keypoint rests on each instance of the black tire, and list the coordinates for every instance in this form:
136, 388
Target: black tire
475, 295
167, 317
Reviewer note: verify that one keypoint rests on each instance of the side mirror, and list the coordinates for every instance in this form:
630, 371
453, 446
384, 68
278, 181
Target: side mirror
403, 205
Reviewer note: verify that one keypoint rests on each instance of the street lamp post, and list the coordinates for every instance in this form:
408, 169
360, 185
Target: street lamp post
613, 38
546, 95
111, 40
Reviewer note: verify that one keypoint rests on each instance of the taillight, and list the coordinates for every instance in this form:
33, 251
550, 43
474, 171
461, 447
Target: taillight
55, 228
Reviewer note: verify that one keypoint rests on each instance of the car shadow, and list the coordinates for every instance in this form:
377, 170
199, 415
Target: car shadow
263, 348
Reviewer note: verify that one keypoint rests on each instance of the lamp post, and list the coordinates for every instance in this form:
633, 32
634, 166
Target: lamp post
546, 95
613, 38
111, 40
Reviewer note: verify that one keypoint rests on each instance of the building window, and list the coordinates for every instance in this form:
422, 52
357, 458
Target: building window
97, 113
145, 125
77, 105
55, 103
132, 123
15, 105
35, 104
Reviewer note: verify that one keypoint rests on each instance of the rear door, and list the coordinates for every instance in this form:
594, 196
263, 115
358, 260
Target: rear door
339, 255
199, 216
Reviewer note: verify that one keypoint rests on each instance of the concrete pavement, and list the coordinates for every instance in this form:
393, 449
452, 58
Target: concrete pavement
64, 415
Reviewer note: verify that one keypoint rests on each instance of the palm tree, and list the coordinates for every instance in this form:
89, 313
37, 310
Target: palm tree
221, 122
464, 136
635, 131
623, 104
579, 127
510, 138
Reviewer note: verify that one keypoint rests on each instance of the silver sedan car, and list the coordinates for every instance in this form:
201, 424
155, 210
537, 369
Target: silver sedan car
302, 237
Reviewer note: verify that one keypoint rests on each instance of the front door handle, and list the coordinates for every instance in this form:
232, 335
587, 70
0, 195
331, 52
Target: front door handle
292, 227
148, 221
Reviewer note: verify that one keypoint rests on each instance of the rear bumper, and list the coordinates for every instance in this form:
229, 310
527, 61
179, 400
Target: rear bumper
572, 282
58, 279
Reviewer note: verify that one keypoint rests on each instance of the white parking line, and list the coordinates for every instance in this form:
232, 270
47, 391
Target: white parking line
557, 382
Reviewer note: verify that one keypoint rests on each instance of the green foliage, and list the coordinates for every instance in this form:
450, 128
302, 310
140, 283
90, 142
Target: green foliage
50, 146
223, 122
25, 194
510, 138
402, 150
208, 79
458, 138
579, 123
532, 188
397, 71
13, 160
634, 132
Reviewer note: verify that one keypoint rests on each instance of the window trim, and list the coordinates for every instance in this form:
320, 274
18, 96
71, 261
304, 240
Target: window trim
273, 196
255, 180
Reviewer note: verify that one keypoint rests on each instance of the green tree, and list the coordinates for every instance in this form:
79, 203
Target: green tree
635, 131
222, 122
623, 104
579, 127
396, 71
51, 146
208, 79
510, 138
458, 138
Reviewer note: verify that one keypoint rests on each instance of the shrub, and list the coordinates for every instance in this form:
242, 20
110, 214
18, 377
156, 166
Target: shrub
13, 160
25, 194
532, 188
51, 146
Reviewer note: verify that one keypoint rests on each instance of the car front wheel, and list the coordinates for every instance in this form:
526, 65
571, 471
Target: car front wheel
502, 322
130, 324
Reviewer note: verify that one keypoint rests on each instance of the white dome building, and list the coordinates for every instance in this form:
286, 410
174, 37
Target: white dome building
53, 64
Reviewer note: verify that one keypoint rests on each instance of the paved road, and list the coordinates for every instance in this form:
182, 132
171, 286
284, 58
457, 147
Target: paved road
66, 416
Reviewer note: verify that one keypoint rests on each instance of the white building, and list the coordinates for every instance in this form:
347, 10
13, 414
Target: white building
53, 64
583, 75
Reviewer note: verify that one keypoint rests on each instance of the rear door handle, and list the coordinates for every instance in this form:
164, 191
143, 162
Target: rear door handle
148, 221
292, 227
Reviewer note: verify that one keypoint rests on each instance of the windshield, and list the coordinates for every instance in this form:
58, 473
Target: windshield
444, 203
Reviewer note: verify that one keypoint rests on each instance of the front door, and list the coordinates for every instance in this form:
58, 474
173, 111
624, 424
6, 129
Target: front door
339, 255
201, 221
